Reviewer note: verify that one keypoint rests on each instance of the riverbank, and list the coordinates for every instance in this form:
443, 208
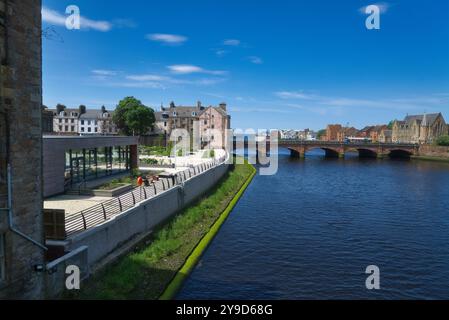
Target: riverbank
145, 273
430, 158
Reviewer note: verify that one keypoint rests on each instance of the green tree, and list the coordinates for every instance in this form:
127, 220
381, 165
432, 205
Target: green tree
443, 141
132, 117
320, 134
390, 124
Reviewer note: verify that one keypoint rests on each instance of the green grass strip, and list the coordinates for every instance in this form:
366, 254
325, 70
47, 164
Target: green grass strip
177, 282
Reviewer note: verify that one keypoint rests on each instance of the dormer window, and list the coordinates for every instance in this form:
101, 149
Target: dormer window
175, 113
193, 114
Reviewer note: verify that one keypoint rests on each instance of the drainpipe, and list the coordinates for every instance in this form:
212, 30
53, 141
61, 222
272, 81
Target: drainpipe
10, 215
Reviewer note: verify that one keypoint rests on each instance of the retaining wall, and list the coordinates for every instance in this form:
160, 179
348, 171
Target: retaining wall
142, 219
434, 151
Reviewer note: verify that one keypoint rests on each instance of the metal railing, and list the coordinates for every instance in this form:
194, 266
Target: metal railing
98, 214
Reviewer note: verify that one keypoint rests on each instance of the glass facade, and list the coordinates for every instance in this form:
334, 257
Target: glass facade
88, 164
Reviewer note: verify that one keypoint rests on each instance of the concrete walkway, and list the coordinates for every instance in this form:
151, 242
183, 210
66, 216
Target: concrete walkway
73, 203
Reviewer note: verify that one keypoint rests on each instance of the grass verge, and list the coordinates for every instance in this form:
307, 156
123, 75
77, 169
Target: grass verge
146, 273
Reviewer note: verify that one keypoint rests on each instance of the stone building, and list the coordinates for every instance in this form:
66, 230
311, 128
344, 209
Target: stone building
422, 129
332, 132
75, 121
97, 122
65, 120
372, 132
211, 122
385, 136
21, 230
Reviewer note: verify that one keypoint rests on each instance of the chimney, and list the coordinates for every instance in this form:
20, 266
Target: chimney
198, 104
172, 105
82, 109
60, 108
223, 106
103, 109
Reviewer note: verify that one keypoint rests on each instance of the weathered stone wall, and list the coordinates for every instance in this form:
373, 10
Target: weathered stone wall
434, 151
20, 105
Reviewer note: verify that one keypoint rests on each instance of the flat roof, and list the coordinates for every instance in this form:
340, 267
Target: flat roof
86, 142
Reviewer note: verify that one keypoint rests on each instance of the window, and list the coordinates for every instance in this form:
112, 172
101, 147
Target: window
82, 121
72, 121
96, 129
66, 121
88, 122
174, 113
2, 257
89, 129
72, 128
60, 128
60, 120
66, 128
82, 129
205, 121
193, 114
165, 123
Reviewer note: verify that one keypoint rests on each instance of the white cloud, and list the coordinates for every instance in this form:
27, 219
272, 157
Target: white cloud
100, 72
383, 7
189, 69
231, 42
54, 17
413, 103
171, 39
294, 95
220, 53
255, 60
147, 77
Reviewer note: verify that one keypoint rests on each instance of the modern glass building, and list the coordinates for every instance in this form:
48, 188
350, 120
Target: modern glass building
69, 161
88, 164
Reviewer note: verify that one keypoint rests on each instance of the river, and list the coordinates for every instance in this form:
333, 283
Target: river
310, 231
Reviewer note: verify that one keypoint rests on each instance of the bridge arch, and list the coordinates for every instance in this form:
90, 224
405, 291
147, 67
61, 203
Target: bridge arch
330, 152
400, 153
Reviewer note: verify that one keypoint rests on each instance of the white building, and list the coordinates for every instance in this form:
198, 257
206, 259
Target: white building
70, 121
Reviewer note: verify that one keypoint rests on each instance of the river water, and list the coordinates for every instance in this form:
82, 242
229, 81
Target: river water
310, 231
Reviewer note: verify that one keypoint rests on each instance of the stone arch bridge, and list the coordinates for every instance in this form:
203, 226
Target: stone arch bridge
339, 149
299, 148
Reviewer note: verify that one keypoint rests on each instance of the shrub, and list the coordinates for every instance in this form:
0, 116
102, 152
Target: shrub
443, 141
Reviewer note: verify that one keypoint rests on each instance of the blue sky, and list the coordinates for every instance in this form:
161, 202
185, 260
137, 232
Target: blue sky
278, 64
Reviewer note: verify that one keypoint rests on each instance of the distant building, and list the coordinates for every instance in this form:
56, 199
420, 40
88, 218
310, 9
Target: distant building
207, 119
65, 120
76, 121
385, 136
423, 129
372, 132
333, 132
347, 132
289, 134
97, 122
